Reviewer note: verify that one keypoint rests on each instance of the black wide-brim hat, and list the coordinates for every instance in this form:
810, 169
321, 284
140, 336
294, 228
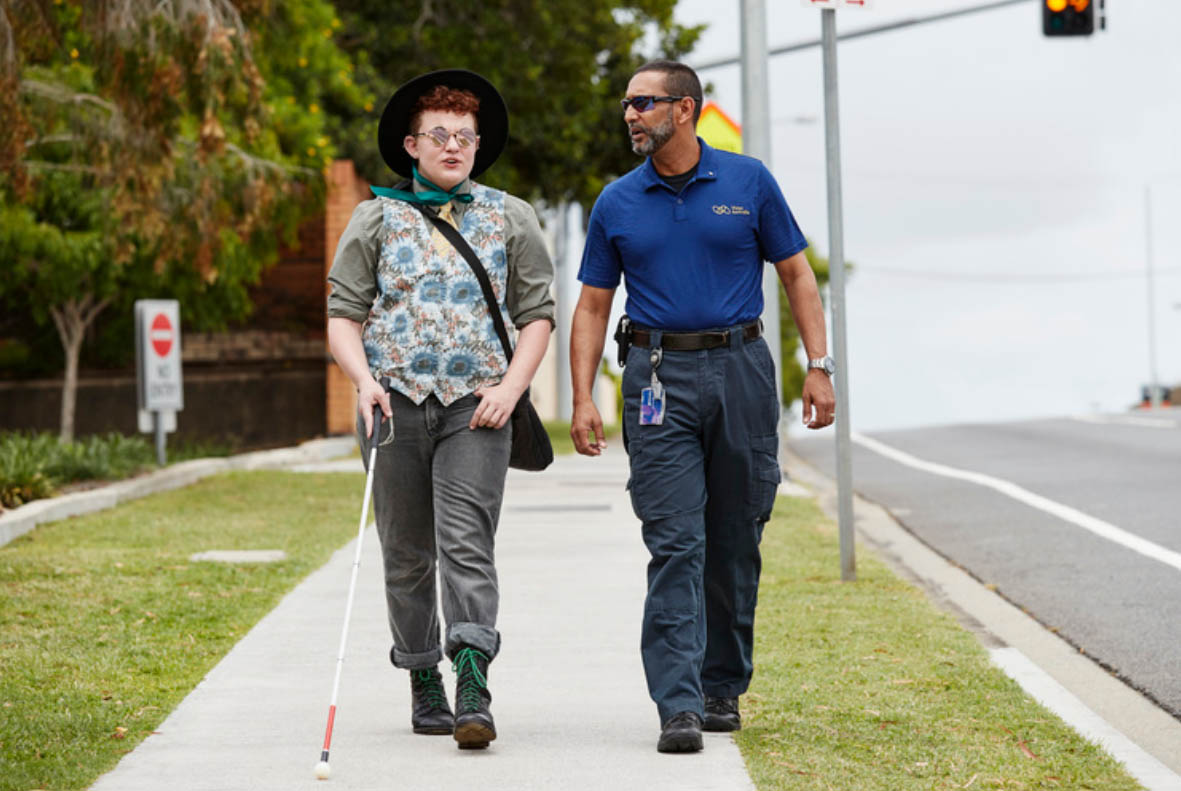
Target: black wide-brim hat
395, 119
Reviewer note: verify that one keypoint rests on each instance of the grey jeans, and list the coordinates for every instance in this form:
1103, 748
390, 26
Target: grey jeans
437, 490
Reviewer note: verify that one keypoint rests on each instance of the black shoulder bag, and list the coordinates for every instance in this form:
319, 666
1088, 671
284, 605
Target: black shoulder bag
531, 448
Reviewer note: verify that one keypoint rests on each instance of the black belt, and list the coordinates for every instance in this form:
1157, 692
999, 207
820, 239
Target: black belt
695, 341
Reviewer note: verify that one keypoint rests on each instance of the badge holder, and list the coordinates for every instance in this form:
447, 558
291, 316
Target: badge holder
652, 401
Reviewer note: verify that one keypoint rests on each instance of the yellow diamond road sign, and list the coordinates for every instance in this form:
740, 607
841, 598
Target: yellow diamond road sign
718, 129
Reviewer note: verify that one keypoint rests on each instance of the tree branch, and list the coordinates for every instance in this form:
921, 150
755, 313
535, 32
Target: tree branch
8, 63
38, 165
426, 15
254, 163
64, 95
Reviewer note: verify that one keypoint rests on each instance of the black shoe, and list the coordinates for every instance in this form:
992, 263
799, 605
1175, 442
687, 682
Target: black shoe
681, 734
721, 714
430, 713
474, 727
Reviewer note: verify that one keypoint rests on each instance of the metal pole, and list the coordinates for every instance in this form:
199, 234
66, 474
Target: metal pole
565, 311
756, 142
836, 273
158, 427
1154, 380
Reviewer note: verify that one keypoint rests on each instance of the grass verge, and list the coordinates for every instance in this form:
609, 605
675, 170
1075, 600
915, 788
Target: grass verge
868, 686
105, 623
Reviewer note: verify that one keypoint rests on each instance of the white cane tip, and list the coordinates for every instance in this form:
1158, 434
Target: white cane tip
323, 771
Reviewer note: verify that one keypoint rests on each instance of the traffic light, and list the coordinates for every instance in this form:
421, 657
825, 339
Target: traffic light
1068, 17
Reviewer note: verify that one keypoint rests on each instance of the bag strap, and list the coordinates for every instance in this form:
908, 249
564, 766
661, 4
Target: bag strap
451, 234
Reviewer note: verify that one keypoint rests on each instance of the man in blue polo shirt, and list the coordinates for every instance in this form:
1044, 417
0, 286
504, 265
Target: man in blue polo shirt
689, 230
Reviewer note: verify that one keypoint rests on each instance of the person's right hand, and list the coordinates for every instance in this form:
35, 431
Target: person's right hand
586, 419
372, 393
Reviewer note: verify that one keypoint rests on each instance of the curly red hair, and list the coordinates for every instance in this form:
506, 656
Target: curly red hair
448, 100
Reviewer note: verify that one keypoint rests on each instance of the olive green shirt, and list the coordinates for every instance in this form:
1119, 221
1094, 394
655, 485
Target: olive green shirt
530, 272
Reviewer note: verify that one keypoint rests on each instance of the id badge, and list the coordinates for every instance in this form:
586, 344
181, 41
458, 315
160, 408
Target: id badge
652, 405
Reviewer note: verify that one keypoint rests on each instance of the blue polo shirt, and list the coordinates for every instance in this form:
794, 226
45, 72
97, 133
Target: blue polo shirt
692, 260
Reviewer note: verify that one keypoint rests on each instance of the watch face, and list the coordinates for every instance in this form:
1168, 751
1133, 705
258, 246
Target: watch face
826, 364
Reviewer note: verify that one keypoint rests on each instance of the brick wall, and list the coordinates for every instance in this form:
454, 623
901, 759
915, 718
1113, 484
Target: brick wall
345, 191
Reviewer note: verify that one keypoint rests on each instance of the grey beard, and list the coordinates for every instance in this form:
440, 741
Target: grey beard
656, 138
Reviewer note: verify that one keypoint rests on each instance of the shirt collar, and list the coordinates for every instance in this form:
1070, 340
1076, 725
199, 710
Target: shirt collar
707, 167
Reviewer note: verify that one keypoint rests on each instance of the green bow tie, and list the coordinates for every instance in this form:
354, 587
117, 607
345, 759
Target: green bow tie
435, 196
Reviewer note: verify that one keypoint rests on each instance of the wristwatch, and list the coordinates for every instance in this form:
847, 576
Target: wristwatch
825, 363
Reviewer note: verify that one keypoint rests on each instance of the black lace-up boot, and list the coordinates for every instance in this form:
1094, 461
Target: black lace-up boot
474, 727
681, 734
721, 714
430, 713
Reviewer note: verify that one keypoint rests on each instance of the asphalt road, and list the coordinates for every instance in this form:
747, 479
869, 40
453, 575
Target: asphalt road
1119, 606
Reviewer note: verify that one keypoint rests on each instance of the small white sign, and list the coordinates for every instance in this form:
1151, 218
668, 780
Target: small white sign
157, 354
838, 3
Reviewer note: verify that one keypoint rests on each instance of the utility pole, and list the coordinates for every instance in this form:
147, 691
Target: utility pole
564, 297
836, 274
756, 142
1154, 380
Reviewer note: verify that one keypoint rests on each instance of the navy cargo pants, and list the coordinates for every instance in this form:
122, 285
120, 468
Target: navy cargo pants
703, 484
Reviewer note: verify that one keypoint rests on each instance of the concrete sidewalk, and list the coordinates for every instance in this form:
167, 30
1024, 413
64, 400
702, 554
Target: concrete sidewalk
571, 707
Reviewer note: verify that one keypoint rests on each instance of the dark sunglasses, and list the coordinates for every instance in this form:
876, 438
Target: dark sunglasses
645, 103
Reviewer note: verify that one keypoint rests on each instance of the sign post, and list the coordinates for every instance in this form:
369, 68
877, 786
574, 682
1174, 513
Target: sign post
836, 270
160, 391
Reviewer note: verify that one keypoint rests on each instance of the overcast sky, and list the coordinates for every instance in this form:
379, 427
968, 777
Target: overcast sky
994, 188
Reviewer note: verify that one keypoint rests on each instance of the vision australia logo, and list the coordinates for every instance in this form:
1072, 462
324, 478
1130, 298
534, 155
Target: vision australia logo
722, 209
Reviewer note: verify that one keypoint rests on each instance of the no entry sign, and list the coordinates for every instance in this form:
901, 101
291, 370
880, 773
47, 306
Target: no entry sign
161, 334
157, 354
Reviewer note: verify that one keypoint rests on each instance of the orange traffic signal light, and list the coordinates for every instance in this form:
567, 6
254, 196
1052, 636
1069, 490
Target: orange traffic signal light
1068, 17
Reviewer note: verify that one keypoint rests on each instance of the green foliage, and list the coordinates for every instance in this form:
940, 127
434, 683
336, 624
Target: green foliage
791, 371
560, 64
33, 466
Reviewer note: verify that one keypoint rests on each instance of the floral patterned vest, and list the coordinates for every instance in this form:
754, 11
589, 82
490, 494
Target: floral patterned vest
429, 329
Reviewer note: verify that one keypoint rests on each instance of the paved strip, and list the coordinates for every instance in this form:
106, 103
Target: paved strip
568, 687
1128, 420
1066, 513
1153, 774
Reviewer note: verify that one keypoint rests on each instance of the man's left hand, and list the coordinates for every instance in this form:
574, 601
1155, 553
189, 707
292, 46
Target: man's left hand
819, 401
496, 406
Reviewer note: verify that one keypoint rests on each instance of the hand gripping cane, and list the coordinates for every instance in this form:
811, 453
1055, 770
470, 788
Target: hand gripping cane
322, 769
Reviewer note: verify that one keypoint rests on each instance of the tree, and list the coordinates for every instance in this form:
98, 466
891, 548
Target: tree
561, 65
142, 137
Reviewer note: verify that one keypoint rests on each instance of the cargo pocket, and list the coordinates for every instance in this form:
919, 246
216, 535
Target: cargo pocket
765, 477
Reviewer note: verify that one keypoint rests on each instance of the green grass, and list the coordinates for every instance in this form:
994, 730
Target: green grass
105, 624
867, 686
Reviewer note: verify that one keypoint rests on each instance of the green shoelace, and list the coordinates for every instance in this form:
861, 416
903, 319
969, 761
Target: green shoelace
465, 667
430, 687
434, 196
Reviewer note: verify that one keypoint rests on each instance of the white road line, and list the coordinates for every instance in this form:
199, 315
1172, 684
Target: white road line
1127, 420
1064, 512
1153, 774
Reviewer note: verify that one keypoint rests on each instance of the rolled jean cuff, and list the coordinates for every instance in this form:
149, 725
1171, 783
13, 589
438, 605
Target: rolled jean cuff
418, 661
484, 639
